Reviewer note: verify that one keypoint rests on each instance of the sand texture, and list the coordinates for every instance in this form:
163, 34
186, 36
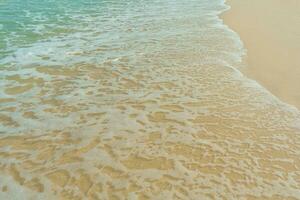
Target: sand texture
270, 30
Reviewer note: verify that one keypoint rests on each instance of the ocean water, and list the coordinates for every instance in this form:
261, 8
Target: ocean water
134, 100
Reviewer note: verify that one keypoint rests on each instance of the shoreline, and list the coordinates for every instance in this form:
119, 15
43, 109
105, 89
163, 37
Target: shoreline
271, 37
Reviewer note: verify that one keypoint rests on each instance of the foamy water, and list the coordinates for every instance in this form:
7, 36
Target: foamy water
136, 100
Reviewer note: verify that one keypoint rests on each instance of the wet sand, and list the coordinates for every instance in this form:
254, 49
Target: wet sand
270, 30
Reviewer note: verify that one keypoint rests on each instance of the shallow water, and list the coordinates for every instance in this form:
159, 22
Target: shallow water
136, 100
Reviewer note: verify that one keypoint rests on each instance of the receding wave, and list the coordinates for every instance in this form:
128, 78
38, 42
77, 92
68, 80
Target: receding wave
137, 100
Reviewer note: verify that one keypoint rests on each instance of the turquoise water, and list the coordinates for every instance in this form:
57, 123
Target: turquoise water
24, 23
67, 37
136, 100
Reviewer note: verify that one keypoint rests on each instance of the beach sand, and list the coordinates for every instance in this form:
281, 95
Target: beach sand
270, 31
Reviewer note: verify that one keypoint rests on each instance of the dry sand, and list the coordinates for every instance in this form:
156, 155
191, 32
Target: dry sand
270, 30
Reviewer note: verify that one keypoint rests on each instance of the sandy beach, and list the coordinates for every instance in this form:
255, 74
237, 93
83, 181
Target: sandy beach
270, 31
144, 100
